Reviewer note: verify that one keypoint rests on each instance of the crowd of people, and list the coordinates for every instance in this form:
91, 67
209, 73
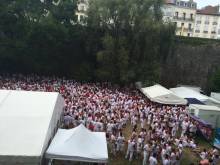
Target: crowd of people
159, 133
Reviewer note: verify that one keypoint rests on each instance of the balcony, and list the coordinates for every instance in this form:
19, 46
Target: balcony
213, 32
190, 30
183, 19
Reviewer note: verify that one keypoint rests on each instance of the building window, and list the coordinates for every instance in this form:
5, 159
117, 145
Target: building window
214, 23
191, 16
197, 31
213, 32
207, 22
190, 26
205, 31
182, 24
184, 16
176, 14
198, 22
181, 3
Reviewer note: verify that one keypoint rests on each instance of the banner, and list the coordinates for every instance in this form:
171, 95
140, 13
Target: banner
203, 127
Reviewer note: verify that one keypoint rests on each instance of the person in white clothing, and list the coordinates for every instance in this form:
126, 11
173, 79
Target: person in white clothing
120, 142
153, 160
173, 157
113, 145
139, 145
166, 161
146, 153
204, 154
130, 150
185, 125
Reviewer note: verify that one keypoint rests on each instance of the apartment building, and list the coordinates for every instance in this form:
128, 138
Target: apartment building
203, 23
207, 23
182, 14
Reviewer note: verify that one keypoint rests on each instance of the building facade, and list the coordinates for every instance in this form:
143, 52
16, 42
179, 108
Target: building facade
182, 14
203, 23
207, 23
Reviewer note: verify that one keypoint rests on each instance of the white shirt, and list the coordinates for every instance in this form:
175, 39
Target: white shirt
152, 160
166, 162
131, 145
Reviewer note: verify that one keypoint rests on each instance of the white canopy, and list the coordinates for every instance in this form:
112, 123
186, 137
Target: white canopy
27, 123
160, 94
79, 144
185, 92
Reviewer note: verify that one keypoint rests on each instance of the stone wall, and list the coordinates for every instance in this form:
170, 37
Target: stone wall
191, 63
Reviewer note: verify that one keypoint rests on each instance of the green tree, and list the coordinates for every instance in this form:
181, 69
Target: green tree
132, 33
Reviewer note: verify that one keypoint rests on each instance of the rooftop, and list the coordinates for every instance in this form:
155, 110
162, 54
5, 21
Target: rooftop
209, 10
185, 4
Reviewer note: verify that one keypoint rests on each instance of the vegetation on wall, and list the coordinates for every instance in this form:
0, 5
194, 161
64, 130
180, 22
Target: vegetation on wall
215, 81
196, 41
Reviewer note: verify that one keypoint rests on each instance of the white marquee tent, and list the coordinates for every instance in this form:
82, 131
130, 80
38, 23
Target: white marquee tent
185, 92
160, 94
78, 144
28, 121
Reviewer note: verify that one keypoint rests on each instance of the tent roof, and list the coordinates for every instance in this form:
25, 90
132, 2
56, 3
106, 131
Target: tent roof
24, 121
185, 92
160, 94
205, 107
79, 144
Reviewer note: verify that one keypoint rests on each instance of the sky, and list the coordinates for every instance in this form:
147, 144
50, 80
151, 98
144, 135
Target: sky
202, 3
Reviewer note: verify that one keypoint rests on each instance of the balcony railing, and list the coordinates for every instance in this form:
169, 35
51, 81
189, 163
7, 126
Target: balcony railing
184, 29
183, 19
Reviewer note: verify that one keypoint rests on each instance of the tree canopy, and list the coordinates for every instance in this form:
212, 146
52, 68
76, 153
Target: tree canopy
132, 41
121, 41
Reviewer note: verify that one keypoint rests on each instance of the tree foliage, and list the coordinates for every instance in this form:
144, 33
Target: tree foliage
133, 39
120, 41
